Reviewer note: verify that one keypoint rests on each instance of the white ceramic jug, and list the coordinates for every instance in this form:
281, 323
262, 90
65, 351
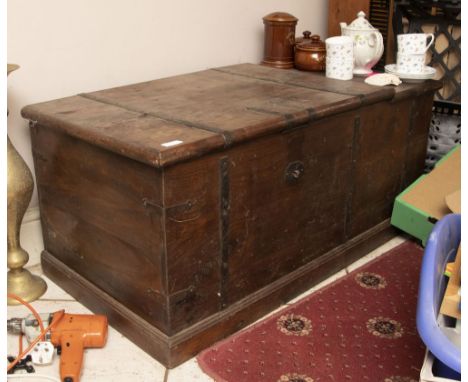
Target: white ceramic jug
368, 44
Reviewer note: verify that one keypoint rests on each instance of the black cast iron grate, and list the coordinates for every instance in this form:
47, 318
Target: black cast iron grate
444, 131
414, 16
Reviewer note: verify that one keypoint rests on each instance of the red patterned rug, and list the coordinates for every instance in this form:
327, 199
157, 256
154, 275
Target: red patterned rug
360, 328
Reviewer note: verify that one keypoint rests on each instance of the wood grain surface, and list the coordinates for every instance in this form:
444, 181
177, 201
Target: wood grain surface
208, 110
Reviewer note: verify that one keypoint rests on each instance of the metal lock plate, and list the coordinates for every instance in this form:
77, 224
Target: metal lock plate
294, 171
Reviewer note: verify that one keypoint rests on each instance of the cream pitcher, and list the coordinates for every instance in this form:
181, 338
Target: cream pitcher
368, 44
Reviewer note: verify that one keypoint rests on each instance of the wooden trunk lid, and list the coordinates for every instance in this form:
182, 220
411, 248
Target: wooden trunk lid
166, 121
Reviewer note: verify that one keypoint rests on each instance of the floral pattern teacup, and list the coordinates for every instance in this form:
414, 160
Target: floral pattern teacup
414, 43
411, 63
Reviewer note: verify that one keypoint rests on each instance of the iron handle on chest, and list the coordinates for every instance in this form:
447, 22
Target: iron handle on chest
294, 172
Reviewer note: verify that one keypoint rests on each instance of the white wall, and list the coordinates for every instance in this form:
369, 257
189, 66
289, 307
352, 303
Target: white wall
65, 47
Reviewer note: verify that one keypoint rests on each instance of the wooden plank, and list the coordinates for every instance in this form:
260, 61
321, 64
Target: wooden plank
173, 350
94, 219
378, 163
420, 119
238, 107
310, 80
171, 120
192, 226
280, 225
344, 11
123, 131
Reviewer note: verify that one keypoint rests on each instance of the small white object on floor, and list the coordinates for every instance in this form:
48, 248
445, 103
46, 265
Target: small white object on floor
43, 353
383, 79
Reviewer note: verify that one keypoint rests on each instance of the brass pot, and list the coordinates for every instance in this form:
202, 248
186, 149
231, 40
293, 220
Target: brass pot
310, 54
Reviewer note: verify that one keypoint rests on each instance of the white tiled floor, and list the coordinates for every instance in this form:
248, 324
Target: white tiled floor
120, 360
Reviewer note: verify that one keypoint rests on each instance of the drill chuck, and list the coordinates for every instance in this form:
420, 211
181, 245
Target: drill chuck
14, 325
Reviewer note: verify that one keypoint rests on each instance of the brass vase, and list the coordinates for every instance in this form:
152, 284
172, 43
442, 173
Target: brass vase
20, 188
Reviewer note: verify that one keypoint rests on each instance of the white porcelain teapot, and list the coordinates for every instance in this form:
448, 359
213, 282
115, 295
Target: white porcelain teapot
368, 44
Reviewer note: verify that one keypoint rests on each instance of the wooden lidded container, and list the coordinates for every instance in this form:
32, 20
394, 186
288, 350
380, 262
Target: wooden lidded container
164, 202
310, 54
280, 32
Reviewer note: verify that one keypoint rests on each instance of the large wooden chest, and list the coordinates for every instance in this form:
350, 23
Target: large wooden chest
187, 207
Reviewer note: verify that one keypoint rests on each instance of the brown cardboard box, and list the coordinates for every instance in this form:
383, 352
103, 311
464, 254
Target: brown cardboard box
430, 193
430, 198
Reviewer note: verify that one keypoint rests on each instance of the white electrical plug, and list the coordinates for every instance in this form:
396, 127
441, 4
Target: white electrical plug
43, 353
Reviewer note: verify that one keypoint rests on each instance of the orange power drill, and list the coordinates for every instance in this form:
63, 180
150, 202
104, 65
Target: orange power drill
71, 333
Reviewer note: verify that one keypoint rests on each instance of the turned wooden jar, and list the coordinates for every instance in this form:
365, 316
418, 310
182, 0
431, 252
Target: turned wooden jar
280, 32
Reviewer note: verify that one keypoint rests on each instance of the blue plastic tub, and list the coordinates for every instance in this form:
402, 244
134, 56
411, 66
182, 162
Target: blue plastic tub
441, 248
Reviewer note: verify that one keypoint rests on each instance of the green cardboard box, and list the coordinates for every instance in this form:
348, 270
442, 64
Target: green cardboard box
427, 200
